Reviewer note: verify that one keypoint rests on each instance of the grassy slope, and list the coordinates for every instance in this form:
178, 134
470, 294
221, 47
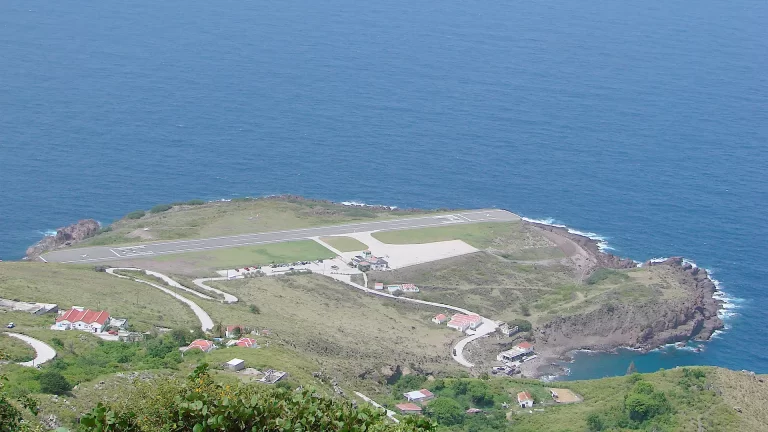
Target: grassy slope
68, 285
15, 349
327, 321
345, 244
237, 217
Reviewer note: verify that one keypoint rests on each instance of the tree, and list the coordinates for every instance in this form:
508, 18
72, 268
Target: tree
446, 411
479, 393
595, 422
525, 310
631, 369
236, 332
53, 382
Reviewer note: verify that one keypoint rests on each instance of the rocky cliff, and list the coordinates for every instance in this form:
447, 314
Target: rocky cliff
645, 326
64, 237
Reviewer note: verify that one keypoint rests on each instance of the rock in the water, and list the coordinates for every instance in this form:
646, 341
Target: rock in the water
64, 237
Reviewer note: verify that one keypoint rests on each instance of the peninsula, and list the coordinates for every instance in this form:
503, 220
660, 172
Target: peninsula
434, 294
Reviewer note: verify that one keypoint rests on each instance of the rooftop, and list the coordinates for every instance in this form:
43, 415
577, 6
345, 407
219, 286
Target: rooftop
87, 316
408, 407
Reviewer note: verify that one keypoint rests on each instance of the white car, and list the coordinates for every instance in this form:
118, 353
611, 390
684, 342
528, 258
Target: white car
10, 325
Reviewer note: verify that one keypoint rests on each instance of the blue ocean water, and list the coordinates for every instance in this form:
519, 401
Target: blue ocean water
644, 122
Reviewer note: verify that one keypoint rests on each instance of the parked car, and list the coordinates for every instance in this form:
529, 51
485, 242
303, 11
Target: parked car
334, 267
10, 325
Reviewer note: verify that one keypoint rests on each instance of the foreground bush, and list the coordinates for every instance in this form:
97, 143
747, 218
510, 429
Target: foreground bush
200, 405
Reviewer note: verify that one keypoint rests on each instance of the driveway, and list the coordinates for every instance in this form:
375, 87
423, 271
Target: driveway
44, 352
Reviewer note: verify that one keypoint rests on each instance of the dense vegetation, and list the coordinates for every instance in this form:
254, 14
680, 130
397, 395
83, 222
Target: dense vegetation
200, 405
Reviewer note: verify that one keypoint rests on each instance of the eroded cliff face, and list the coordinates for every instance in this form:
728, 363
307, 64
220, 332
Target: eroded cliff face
64, 237
643, 326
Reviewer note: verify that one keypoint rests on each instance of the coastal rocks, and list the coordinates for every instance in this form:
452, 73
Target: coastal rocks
64, 237
600, 259
641, 326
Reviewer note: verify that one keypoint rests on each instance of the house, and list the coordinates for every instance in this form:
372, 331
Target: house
474, 411
378, 263
378, 286
409, 288
78, 318
419, 395
506, 330
439, 319
127, 336
519, 350
234, 331
120, 323
408, 408
201, 344
462, 322
235, 364
247, 343
525, 399
367, 254
393, 288
363, 266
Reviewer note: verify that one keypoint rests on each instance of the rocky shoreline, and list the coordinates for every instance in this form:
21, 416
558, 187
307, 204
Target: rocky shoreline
643, 327
65, 236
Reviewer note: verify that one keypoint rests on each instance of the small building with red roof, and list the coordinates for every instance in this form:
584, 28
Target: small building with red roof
247, 343
419, 395
439, 319
201, 344
525, 399
408, 408
517, 351
78, 318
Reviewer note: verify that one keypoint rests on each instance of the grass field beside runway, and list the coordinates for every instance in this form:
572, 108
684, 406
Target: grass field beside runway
344, 243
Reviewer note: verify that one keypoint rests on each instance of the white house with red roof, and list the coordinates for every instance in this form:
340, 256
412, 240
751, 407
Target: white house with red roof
439, 319
462, 322
379, 286
419, 395
201, 344
517, 351
78, 318
247, 343
525, 399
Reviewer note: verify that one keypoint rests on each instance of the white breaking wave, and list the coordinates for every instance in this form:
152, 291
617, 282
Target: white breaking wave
362, 204
48, 232
602, 242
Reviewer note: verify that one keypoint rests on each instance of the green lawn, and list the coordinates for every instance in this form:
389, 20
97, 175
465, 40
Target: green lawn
345, 244
479, 235
217, 259
15, 350
69, 285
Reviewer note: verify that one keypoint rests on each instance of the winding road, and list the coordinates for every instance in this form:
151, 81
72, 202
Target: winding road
488, 326
205, 320
43, 351
228, 298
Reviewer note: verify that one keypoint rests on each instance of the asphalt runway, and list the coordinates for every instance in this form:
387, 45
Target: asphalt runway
147, 250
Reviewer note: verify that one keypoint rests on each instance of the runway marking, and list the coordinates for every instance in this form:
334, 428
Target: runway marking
44, 260
464, 217
113, 251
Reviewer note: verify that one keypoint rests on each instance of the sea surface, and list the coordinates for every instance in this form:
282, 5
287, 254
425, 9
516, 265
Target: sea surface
643, 123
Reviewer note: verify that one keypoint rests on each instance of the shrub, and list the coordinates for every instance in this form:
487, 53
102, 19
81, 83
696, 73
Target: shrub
525, 310
254, 309
138, 214
446, 411
53, 382
195, 202
199, 404
57, 342
161, 208
522, 325
105, 229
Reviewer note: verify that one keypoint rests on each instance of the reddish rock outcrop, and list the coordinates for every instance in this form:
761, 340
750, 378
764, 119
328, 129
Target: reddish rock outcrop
65, 237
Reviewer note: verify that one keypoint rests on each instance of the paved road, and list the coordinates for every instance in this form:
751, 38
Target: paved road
44, 352
488, 326
228, 298
105, 253
205, 319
